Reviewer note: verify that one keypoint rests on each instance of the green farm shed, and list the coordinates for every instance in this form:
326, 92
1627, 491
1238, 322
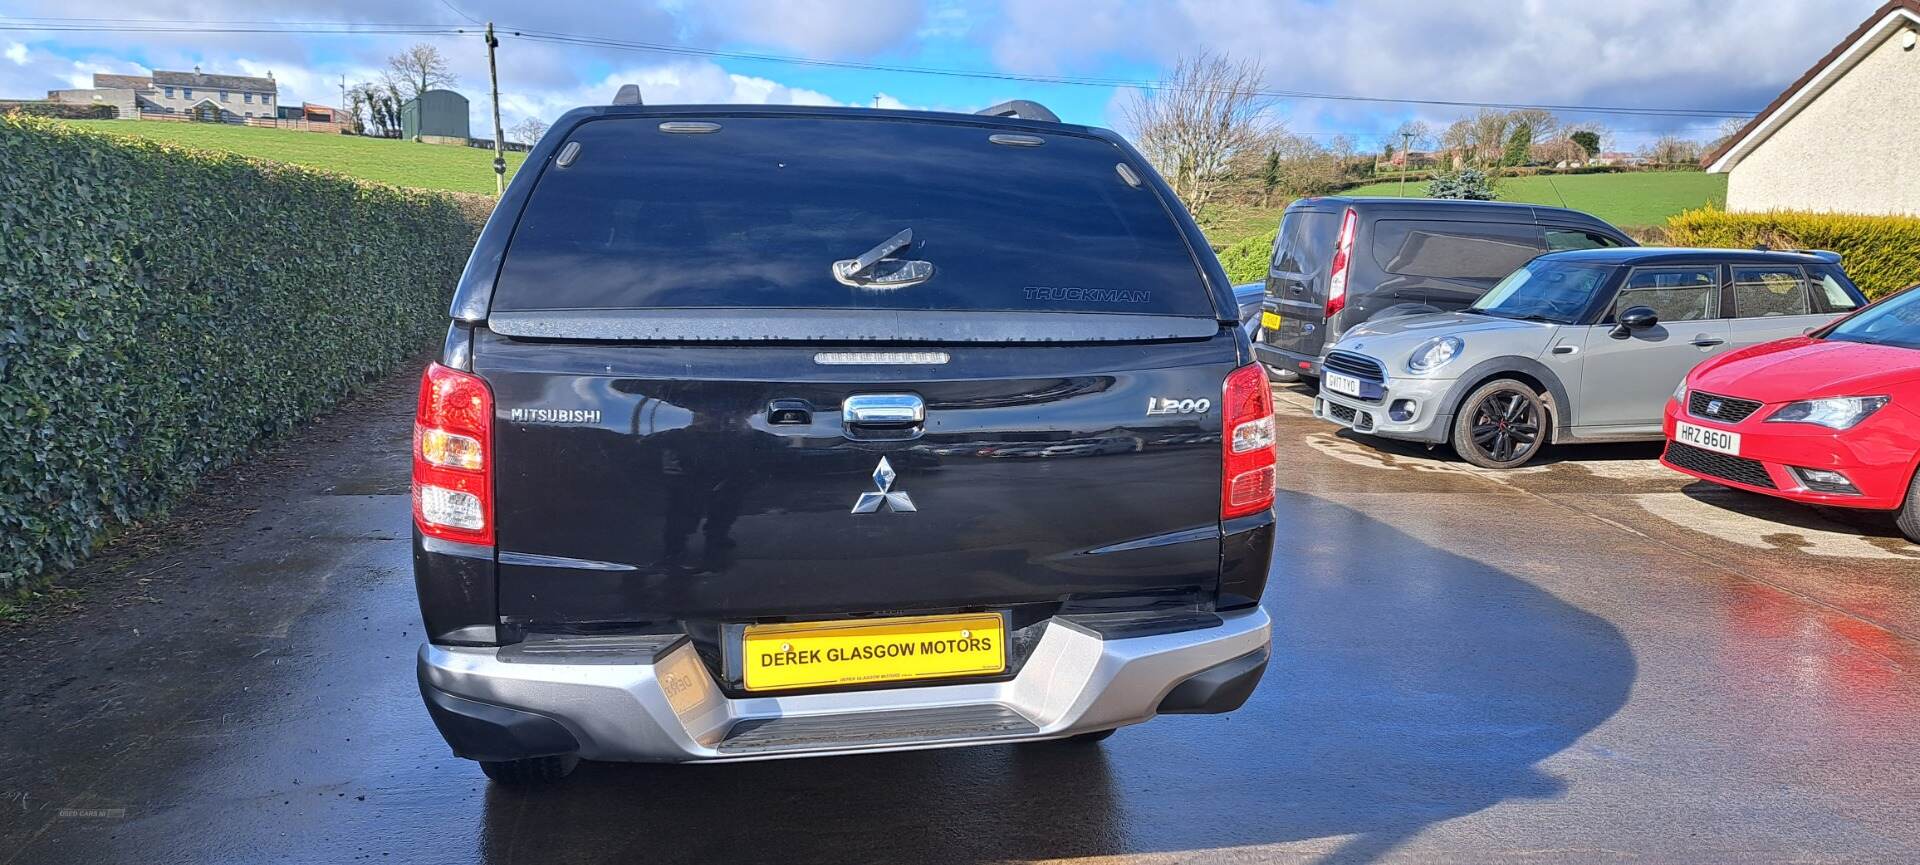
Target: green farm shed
435, 114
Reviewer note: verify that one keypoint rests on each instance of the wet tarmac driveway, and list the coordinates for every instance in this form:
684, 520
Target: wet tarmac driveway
1593, 661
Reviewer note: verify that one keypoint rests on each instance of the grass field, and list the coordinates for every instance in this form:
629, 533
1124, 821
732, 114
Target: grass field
1627, 200
401, 163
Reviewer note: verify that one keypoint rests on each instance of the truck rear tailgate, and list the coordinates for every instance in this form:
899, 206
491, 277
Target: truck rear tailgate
645, 483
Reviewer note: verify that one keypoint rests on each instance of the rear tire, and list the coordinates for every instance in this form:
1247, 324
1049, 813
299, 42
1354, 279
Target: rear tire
1501, 425
530, 772
1909, 519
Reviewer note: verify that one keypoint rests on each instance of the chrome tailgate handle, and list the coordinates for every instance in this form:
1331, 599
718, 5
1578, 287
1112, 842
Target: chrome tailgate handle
883, 408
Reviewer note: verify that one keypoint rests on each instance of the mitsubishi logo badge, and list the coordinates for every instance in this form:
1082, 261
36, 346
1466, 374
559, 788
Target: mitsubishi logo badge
897, 502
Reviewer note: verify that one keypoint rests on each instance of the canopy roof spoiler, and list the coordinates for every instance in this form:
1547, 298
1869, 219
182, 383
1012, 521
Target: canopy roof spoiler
1826, 255
629, 94
1021, 109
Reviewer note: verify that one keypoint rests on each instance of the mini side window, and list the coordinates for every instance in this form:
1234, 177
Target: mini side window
1764, 291
1836, 296
1689, 293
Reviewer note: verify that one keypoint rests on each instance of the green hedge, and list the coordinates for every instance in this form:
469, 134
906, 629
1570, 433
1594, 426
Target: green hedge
1246, 260
67, 111
164, 309
1880, 253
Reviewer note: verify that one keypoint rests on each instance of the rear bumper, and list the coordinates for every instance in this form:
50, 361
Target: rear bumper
662, 706
1280, 358
1878, 457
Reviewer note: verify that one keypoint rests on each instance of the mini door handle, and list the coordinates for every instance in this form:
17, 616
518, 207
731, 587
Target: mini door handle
1707, 341
1564, 349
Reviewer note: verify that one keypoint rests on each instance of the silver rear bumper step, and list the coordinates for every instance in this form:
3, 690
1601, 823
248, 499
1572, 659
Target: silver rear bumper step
661, 705
898, 726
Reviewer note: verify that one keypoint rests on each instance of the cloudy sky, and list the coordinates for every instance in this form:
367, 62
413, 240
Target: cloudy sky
1729, 55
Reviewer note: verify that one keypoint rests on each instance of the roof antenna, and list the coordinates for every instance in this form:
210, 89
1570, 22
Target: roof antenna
629, 94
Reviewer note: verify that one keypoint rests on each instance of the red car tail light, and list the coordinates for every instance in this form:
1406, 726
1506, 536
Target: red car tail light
452, 463
1342, 257
1247, 459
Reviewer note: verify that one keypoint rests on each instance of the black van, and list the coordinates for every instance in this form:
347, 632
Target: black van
1339, 261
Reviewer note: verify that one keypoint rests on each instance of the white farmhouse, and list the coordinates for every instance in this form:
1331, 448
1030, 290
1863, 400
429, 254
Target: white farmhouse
1845, 138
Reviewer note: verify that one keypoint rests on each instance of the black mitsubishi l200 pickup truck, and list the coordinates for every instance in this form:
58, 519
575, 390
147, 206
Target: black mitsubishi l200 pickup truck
776, 432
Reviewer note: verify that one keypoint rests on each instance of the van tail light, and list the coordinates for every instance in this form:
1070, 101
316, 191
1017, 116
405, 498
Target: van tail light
1247, 459
1342, 256
452, 457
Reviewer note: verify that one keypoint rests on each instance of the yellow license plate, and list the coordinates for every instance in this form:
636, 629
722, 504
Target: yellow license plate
1270, 321
866, 651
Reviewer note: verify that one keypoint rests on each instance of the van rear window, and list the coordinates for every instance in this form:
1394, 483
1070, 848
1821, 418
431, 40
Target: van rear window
755, 214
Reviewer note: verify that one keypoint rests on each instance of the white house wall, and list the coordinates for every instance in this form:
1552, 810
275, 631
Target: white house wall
1855, 148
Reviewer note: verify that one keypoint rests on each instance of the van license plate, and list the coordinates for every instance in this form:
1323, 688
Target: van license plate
1270, 320
1338, 383
1718, 441
868, 651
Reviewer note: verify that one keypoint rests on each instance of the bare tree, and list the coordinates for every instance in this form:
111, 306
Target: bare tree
1200, 121
1673, 150
1303, 167
1728, 129
417, 70
1411, 135
374, 109
529, 130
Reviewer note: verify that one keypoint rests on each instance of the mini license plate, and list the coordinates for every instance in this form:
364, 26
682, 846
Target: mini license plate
1338, 383
1270, 320
867, 651
1718, 441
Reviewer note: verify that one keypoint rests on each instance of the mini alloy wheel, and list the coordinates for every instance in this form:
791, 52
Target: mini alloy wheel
1501, 425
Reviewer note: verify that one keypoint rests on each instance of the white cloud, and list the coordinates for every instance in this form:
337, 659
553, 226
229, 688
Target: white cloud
1665, 53
17, 53
687, 82
816, 28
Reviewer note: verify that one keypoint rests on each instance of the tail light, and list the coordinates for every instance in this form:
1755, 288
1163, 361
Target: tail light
452, 459
1247, 460
1342, 256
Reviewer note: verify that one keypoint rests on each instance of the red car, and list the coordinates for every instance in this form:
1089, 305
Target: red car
1831, 418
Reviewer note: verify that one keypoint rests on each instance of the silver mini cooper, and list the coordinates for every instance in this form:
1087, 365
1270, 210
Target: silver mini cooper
1579, 346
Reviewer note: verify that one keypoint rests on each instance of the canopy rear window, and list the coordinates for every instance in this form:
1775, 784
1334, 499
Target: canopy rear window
755, 214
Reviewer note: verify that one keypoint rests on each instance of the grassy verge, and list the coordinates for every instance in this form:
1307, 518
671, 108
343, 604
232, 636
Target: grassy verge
386, 160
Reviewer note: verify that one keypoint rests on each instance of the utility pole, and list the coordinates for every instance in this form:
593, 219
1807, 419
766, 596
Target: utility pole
499, 137
1406, 160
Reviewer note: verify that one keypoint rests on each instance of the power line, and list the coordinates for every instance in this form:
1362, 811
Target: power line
560, 38
334, 30
627, 45
457, 11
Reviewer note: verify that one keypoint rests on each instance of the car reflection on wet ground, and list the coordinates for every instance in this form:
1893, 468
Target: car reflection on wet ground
1592, 661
